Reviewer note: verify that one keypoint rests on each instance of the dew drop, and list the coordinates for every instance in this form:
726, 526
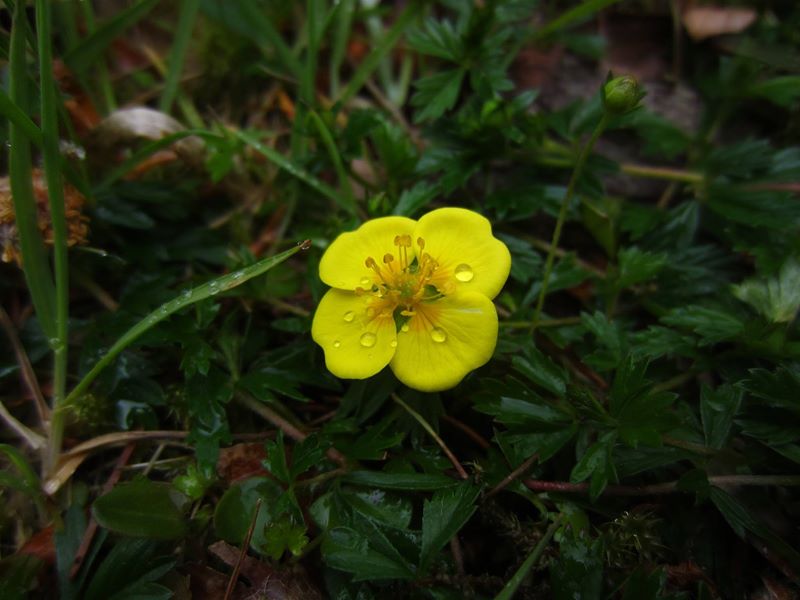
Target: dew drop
404, 328
366, 282
237, 276
368, 339
213, 288
464, 273
438, 335
186, 294
349, 316
393, 343
337, 344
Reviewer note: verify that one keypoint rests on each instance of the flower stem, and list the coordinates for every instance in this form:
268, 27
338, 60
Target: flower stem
562, 213
427, 427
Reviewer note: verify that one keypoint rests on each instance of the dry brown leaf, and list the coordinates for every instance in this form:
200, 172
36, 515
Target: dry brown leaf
703, 22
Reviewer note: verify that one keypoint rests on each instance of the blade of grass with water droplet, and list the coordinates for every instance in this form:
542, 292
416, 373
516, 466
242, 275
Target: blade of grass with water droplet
186, 298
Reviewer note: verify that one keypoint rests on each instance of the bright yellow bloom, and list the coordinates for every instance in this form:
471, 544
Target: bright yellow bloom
414, 295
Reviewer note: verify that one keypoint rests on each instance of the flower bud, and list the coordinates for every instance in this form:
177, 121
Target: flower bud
621, 95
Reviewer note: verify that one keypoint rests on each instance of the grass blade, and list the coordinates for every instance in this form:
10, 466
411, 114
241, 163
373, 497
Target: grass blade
186, 19
88, 52
55, 192
186, 298
374, 58
336, 158
295, 170
34, 255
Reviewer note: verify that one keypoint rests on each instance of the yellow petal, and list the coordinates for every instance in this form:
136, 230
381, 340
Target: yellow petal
446, 339
342, 266
470, 258
357, 342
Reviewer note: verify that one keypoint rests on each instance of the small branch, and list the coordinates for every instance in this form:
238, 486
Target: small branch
281, 423
427, 427
468, 431
26, 369
245, 545
543, 323
669, 487
662, 173
513, 475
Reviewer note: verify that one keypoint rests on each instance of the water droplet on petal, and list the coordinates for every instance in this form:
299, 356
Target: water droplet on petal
337, 344
393, 343
438, 335
349, 316
464, 273
404, 328
368, 339
366, 282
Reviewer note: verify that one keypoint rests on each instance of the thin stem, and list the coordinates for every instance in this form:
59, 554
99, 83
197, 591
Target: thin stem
562, 213
427, 427
242, 552
541, 323
669, 487
513, 475
55, 193
510, 588
662, 173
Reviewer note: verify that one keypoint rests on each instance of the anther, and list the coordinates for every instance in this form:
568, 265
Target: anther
421, 243
387, 258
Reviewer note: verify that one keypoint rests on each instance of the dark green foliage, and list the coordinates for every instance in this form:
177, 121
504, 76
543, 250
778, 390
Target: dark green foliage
638, 439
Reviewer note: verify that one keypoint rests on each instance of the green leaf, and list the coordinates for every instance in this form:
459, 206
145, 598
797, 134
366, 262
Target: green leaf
415, 199
129, 571
776, 388
399, 481
276, 459
754, 208
776, 298
437, 38
282, 536
387, 509
18, 574
141, 509
577, 571
234, 511
742, 521
645, 584
541, 370
544, 444
348, 550
712, 325
437, 93
717, 409
637, 266
783, 91
442, 517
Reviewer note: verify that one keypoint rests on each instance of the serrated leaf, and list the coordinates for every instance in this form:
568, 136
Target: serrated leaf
541, 370
577, 571
777, 297
234, 511
281, 536
437, 38
712, 325
388, 509
437, 93
442, 517
776, 388
141, 509
637, 266
413, 200
717, 409
348, 550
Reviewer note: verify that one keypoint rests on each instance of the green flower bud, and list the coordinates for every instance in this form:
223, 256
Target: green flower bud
621, 95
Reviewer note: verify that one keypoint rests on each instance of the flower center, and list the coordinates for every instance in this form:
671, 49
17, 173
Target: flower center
400, 280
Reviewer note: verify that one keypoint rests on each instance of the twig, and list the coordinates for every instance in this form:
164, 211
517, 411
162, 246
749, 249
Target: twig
245, 545
469, 431
26, 369
669, 487
427, 427
513, 475
458, 556
281, 423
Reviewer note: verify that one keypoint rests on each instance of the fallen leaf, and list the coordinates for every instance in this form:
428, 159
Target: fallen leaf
703, 22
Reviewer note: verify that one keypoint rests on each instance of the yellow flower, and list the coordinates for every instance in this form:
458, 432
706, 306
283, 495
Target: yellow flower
414, 295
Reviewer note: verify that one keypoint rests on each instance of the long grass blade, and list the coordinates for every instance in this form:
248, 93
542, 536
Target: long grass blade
186, 19
186, 298
55, 192
34, 256
295, 170
88, 51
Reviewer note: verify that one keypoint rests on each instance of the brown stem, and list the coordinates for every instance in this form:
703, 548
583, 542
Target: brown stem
26, 369
513, 475
469, 431
245, 545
